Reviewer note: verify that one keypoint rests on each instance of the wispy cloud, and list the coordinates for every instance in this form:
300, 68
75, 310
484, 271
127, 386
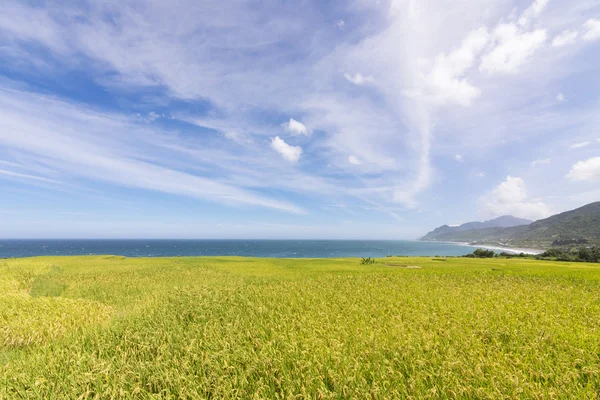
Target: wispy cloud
542, 161
393, 86
533, 11
358, 78
513, 48
82, 142
564, 38
579, 145
12, 174
238, 137
593, 29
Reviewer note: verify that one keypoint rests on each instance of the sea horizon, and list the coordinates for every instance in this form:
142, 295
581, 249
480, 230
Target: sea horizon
267, 248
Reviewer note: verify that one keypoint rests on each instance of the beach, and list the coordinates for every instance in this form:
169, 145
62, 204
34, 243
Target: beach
515, 250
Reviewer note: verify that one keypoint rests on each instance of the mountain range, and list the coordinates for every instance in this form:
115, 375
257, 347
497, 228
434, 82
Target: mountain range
505, 221
568, 229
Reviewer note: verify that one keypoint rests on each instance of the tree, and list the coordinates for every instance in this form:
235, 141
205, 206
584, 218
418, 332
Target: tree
482, 253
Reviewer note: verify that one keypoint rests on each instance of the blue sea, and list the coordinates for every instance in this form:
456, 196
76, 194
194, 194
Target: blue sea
253, 248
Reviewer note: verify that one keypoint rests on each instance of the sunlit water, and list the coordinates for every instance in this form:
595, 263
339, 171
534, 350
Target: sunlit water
253, 248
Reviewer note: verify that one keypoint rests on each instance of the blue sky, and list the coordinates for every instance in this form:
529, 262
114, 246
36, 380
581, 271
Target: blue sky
294, 119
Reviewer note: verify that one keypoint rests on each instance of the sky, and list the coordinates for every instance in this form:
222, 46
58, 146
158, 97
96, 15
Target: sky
355, 119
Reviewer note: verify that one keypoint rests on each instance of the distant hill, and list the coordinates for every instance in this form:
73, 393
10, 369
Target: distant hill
568, 229
505, 221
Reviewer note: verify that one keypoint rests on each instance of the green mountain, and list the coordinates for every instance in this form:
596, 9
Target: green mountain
568, 229
505, 221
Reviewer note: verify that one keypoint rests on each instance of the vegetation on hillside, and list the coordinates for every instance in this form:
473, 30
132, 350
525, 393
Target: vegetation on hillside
567, 230
111, 327
583, 254
506, 221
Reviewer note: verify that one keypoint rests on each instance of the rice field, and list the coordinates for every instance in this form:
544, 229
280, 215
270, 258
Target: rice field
211, 328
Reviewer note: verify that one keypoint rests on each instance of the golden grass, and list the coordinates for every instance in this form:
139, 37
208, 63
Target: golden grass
110, 327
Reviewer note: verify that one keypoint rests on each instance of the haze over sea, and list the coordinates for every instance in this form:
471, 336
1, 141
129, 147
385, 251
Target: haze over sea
251, 248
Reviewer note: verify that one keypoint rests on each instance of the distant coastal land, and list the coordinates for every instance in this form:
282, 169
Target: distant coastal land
567, 230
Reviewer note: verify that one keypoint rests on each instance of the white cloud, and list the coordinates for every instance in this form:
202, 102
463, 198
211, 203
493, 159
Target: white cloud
446, 78
354, 160
579, 145
340, 23
512, 190
510, 198
593, 27
560, 97
295, 127
588, 170
564, 38
13, 174
289, 152
31, 23
238, 137
458, 158
79, 142
542, 161
512, 48
480, 174
534, 10
359, 79
159, 46
150, 117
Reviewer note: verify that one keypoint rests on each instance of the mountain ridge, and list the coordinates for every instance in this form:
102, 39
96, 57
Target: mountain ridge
572, 228
504, 221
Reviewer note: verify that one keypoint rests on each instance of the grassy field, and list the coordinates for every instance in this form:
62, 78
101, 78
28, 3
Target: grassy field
111, 327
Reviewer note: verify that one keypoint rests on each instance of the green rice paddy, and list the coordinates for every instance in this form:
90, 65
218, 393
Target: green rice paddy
206, 328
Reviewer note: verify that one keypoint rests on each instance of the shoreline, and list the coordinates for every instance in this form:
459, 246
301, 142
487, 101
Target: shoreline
514, 250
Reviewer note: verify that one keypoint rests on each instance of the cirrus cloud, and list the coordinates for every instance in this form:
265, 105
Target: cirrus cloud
359, 79
579, 145
534, 10
564, 38
539, 162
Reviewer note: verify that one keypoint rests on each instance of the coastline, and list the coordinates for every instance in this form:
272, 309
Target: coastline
513, 250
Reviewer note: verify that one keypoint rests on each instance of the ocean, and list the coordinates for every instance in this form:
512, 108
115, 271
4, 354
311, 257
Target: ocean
251, 248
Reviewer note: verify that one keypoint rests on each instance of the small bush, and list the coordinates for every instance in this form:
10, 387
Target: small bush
367, 261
